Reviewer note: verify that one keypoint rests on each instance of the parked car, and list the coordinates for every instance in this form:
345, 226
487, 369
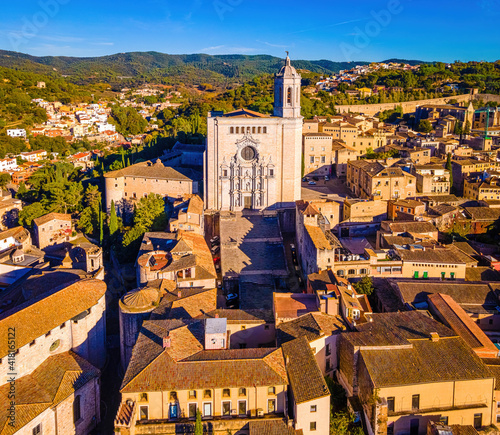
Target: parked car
315, 178
216, 260
232, 300
214, 240
305, 180
357, 418
327, 177
215, 249
312, 183
292, 248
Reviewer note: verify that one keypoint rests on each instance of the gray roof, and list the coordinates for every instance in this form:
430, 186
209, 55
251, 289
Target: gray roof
215, 326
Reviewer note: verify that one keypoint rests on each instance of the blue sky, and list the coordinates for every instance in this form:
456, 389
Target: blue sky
342, 31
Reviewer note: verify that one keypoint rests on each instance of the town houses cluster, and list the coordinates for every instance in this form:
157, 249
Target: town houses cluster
302, 258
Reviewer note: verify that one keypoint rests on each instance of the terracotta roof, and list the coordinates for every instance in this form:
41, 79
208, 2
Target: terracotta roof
21, 234
241, 316
195, 205
311, 326
271, 427
458, 320
435, 255
468, 293
481, 273
483, 213
392, 329
293, 305
53, 381
154, 170
445, 360
410, 227
306, 379
50, 217
49, 311
185, 303
323, 281
185, 365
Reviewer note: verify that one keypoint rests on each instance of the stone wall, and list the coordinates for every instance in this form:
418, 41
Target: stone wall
411, 106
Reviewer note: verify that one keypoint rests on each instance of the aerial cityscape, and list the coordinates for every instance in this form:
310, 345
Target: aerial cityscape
248, 218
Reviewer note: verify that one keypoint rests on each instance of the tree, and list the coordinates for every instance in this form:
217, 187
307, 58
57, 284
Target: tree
30, 212
150, 213
4, 180
467, 128
198, 426
101, 225
86, 221
424, 126
364, 286
113, 220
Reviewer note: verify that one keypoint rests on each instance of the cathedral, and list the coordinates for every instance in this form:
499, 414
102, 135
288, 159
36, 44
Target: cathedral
253, 161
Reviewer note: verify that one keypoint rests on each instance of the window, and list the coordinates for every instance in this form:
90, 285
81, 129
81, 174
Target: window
351, 272
242, 392
266, 327
271, 406
271, 390
207, 409
77, 410
323, 159
264, 130
237, 130
312, 425
390, 429
271, 172
390, 404
32, 343
328, 365
55, 345
224, 173
314, 408
242, 407
226, 408
143, 397
243, 327
415, 401
478, 421
143, 412
192, 410
231, 130
289, 96
328, 349
37, 430
207, 394
226, 392
173, 396
444, 420
311, 159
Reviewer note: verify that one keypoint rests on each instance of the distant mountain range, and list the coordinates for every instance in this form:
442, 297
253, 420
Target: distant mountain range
217, 68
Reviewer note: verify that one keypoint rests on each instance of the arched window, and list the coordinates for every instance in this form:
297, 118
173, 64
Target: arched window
253, 130
259, 130
352, 272
231, 130
237, 130
264, 130
340, 272
363, 272
77, 410
289, 96
242, 392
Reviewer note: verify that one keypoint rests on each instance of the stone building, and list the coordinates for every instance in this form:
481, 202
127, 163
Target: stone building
318, 153
400, 391
253, 160
128, 185
185, 259
59, 344
52, 229
371, 179
188, 216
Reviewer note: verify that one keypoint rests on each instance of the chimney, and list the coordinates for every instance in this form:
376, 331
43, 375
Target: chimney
179, 294
216, 315
349, 287
434, 337
287, 360
167, 341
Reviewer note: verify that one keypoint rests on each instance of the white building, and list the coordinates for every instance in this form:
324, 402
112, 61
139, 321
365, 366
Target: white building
16, 132
253, 160
8, 165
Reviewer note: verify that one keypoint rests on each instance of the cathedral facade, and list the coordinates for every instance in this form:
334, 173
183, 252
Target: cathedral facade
253, 161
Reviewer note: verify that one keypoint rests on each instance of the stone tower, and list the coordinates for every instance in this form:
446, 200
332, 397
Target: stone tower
287, 91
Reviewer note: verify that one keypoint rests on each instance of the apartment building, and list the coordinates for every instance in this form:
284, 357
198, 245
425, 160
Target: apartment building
317, 151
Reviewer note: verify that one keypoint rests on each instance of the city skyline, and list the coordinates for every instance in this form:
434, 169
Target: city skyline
365, 31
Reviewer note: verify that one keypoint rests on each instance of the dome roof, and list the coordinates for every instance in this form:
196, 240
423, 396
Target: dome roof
143, 298
18, 253
288, 70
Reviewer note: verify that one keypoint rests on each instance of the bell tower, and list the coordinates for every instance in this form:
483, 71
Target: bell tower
287, 91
